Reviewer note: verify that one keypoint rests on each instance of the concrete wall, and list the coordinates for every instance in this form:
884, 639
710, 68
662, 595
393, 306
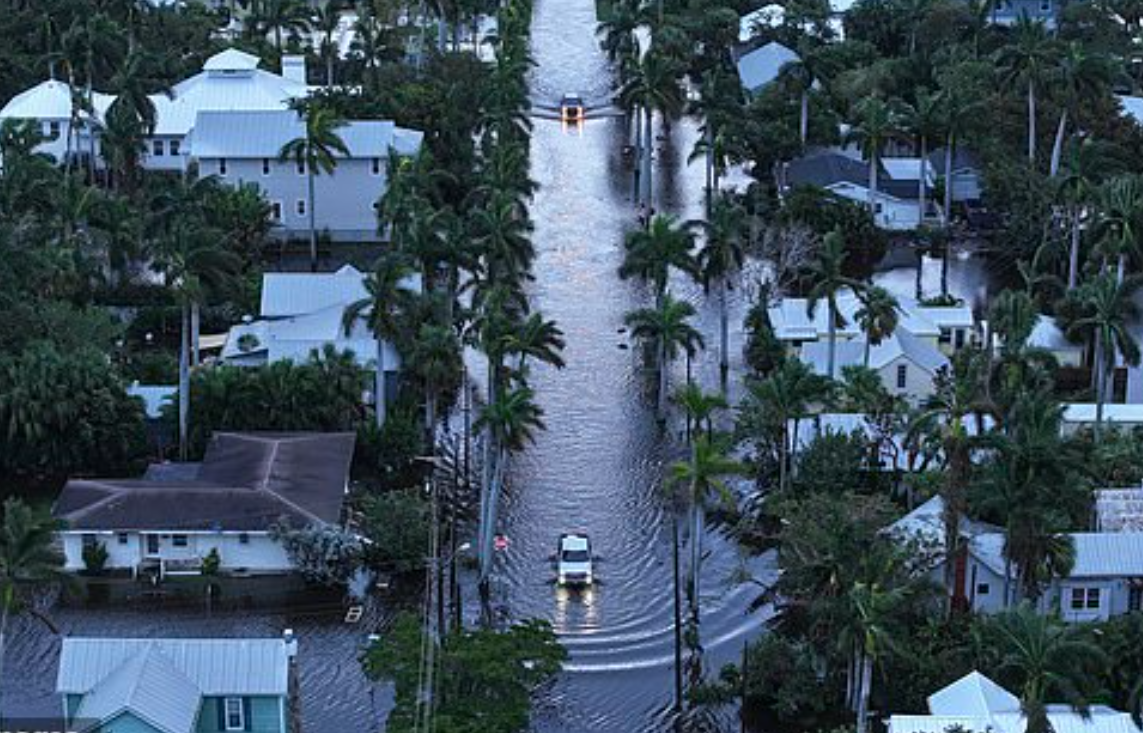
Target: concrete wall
344, 202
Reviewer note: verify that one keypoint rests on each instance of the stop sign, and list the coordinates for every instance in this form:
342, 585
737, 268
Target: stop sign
500, 543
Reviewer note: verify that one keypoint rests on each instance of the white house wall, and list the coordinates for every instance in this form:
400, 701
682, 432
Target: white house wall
345, 201
893, 214
918, 381
258, 554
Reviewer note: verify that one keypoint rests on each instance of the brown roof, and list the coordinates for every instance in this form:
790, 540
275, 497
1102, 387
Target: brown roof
246, 482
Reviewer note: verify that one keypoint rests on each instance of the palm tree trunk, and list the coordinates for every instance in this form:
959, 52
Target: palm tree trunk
379, 391
783, 454
945, 265
1074, 250
865, 357
918, 286
873, 185
648, 154
724, 333
313, 223
637, 176
184, 382
4, 614
949, 145
921, 181
698, 525
195, 325
709, 199
1058, 146
863, 699
1031, 123
832, 336
1100, 373
804, 119
664, 365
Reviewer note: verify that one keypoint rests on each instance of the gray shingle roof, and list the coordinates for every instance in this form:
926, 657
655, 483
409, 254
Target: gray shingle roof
827, 169
246, 482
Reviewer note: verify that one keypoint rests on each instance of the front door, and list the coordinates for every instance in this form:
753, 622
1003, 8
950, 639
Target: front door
152, 545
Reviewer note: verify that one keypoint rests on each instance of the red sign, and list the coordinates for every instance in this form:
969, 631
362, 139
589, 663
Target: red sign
500, 543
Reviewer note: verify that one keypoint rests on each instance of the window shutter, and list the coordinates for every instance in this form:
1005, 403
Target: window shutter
220, 708
246, 714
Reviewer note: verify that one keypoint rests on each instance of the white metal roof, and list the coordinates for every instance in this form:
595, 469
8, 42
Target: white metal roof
976, 703
1047, 335
762, 65
292, 293
791, 319
1108, 554
149, 686
852, 353
263, 133
49, 100
231, 60
767, 16
906, 169
215, 666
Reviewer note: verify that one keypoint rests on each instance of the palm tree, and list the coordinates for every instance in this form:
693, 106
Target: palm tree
512, 420
315, 152
877, 123
958, 393
1078, 77
924, 120
782, 399
719, 259
1110, 312
1085, 167
1012, 316
1025, 62
503, 235
878, 317
388, 297
666, 328
654, 87
873, 606
700, 408
279, 17
1121, 222
618, 31
327, 18
28, 558
435, 358
829, 278
536, 338
1044, 658
651, 253
193, 263
701, 479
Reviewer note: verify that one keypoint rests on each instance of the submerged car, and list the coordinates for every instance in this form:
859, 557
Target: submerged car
572, 108
573, 561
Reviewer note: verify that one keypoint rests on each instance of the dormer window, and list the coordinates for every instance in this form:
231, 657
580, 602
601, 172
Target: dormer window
174, 147
375, 166
222, 166
53, 131
301, 167
265, 166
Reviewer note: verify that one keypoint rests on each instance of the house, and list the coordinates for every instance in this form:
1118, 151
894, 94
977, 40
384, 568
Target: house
1106, 579
231, 120
1008, 12
947, 328
967, 183
242, 147
1079, 415
906, 364
177, 685
896, 205
176, 515
976, 704
1119, 510
759, 68
302, 313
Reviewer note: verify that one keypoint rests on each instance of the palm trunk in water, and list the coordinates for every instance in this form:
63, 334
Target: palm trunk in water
724, 333
648, 154
661, 401
698, 525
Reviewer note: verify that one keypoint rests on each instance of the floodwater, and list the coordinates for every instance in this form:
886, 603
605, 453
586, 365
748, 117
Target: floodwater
598, 468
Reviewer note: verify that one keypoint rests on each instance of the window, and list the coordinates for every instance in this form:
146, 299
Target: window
958, 338
174, 147
375, 166
877, 208
265, 166
945, 337
243, 538
157, 148
982, 589
1085, 599
178, 540
152, 544
122, 538
53, 131
301, 167
902, 375
301, 207
276, 210
234, 713
222, 166
1135, 598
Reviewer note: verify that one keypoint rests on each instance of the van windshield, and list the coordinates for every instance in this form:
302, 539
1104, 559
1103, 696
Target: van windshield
576, 556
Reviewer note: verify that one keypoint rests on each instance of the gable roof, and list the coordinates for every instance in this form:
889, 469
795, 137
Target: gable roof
50, 100
974, 694
246, 482
852, 353
828, 168
263, 133
232, 60
293, 293
761, 66
215, 667
1108, 554
149, 686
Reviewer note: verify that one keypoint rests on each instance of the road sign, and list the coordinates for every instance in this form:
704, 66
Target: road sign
500, 543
